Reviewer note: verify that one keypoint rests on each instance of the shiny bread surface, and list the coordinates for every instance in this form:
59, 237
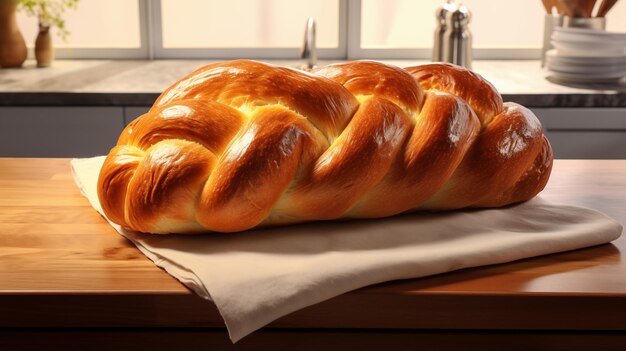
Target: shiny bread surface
243, 144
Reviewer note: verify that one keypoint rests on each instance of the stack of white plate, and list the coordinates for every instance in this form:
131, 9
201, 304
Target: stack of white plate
587, 55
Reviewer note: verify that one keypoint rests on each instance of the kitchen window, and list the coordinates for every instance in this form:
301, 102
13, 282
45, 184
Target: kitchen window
115, 29
247, 28
404, 28
352, 29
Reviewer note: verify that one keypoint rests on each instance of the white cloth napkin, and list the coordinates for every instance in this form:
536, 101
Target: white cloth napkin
258, 276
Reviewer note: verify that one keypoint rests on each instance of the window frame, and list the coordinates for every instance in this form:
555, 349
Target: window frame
349, 44
142, 52
245, 52
355, 51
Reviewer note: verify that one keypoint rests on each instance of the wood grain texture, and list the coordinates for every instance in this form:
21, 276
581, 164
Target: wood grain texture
52, 240
62, 265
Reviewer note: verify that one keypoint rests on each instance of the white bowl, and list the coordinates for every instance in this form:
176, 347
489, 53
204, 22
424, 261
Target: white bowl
609, 73
584, 79
583, 34
591, 75
605, 67
588, 42
586, 52
555, 56
619, 72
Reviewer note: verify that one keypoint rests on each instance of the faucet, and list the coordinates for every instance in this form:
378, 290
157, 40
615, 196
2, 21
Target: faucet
309, 50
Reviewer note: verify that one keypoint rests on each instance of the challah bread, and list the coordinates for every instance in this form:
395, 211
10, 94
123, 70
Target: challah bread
242, 144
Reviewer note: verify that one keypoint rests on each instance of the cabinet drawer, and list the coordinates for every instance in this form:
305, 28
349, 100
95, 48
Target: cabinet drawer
59, 131
585, 133
588, 144
582, 118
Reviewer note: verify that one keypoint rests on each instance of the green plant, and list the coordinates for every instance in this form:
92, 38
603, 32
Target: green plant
49, 13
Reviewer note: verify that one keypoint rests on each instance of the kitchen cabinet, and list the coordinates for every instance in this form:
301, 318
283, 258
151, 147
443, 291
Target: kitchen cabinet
585, 133
575, 133
59, 131
130, 113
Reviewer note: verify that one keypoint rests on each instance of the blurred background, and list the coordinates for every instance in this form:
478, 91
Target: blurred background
268, 28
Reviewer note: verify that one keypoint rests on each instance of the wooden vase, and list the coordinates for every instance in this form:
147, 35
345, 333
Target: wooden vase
44, 51
12, 45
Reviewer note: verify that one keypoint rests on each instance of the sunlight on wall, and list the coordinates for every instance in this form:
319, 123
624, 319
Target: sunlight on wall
94, 24
494, 24
247, 23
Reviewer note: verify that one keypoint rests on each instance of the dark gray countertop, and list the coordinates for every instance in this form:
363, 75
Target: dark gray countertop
138, 83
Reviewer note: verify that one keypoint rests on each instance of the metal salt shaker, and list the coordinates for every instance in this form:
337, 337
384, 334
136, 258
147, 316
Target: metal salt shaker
440, 30
457, 39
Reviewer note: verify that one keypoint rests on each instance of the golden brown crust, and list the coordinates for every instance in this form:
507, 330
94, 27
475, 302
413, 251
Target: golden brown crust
239, 83
258, 167
117, 171
207, 123
469, 86
241, 144
443, 132
382, 81
353, 164
500, 155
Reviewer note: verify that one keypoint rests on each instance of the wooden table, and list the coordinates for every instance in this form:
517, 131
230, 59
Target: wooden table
64, 269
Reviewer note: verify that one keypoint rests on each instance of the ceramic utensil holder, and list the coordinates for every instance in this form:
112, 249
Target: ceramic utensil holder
550, 22
597, 23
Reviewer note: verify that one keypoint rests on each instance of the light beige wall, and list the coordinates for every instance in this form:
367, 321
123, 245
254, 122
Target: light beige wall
96, 23
247, 23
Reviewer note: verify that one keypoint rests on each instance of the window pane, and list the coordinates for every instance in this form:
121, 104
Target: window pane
247, 23
494, 24
397, 23
95, 24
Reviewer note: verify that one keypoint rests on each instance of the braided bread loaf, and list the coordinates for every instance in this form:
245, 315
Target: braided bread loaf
242, 144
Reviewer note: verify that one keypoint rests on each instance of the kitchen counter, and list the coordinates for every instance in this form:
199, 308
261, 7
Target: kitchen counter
64, 269
138, 83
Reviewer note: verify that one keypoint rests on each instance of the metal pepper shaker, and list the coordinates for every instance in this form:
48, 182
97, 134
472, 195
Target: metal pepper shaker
457, 39
440, 29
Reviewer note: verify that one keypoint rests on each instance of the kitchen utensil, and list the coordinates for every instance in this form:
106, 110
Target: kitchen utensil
457, 41
440, 30
560, 8
605, 7
589, 5
309, 48
565, 8
576, 8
